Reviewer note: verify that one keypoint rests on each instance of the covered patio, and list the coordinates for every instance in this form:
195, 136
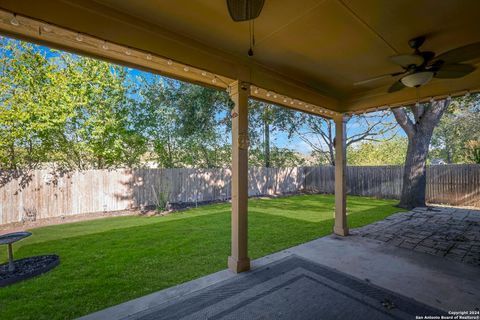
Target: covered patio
334, 277
310, 56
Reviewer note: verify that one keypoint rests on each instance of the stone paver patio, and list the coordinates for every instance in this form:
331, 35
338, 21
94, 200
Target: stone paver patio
453, 233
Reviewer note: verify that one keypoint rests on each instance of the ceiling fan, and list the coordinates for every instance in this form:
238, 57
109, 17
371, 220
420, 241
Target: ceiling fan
246, 10
420, 67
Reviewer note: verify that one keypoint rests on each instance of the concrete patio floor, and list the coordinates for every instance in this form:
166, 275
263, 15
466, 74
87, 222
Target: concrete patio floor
453, 233
439, 282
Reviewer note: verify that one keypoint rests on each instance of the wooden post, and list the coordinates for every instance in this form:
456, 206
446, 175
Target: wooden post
239, 260
340, 228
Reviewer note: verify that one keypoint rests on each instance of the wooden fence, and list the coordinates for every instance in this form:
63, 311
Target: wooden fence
446, 184
45, 195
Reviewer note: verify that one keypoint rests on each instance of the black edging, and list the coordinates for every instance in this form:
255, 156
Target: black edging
14, 279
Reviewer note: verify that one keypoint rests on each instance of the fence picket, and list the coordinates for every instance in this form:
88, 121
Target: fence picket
112, 190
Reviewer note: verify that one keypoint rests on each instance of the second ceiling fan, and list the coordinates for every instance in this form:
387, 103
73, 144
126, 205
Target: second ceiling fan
420, 67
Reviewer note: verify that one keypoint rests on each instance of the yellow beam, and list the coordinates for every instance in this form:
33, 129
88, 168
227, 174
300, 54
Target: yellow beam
287, 102
61, 38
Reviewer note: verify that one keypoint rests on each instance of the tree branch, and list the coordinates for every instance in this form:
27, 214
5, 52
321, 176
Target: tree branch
404, 121
433, 114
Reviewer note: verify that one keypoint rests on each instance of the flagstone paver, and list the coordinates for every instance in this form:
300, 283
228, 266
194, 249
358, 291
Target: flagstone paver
453, 233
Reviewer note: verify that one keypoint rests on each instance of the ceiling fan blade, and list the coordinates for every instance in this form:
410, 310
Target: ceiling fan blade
435, 65
397, 86
406, 60
452, 71
465, 53
378, 78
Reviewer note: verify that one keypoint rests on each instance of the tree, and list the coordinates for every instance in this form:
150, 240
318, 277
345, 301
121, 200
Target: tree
319, 133
64, 112
459, 125
30, 106
185, 123
263, 122
373, 153
473, 151
101, 130
418, 123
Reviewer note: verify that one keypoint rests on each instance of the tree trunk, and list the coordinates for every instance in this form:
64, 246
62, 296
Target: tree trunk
414, 177
266, 139
419, 131
331, 144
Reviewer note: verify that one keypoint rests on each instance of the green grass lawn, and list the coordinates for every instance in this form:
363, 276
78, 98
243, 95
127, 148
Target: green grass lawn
108, 261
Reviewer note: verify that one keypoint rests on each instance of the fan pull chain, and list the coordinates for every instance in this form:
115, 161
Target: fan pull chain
251, 31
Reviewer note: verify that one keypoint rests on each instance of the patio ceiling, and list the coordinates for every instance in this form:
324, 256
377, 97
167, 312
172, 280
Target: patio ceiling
310, 50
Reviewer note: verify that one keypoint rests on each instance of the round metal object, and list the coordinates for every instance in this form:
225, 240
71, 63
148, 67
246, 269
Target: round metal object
14, 237
10, 238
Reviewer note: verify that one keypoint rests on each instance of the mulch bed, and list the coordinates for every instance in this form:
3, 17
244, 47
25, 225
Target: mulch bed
27, 268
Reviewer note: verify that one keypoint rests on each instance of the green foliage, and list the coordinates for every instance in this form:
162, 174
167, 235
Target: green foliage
368, 153
30, 105
185, 124
459, 125
108, 261
72, 113
279, 158
65, 111
319, 133
473, 151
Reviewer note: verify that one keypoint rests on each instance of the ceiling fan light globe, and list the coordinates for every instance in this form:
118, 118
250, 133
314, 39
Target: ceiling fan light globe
417, 79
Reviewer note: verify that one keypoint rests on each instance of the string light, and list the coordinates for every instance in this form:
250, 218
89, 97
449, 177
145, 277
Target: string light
214, 80
79, 37
256, 91
275, 96
186, 69
149, 57
268, 94
285, 100
169, 62
105, 45
128, 52
14, 21
204, 73
46, 28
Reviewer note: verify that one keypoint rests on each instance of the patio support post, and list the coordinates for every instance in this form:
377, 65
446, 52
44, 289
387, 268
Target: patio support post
239, 260
340, 228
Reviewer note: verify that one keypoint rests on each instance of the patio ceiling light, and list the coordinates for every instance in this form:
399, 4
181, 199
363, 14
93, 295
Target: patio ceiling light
417, 79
